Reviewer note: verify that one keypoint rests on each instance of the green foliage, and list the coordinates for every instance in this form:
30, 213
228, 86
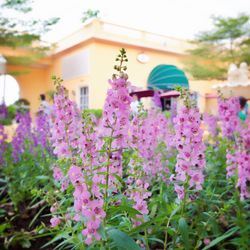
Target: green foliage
214, 50
89, 14
121, 240
22, 105
19, 32
213, 217
221, 238
226, 29
205, 72
96, 112
28, 175
211, 214
19, 5
22, 188
11, 113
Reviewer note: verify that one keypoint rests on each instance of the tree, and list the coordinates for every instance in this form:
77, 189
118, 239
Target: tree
228, 42
18, 32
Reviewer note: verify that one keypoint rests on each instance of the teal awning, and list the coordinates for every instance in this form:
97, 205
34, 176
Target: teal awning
167, 77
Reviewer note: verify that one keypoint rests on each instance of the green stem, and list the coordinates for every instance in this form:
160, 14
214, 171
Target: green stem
107, 171
241, 220
183, 204
146, 239
166, 236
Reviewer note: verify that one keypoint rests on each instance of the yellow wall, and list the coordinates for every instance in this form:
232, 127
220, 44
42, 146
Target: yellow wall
202, 88
32, 83
74, 84
103, 58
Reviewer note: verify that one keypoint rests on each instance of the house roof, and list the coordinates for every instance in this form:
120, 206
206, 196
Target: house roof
103, 30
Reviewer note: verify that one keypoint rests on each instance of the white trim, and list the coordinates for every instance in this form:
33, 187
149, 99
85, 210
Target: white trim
78, 95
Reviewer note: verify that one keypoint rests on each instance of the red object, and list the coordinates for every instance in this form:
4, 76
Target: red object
170, 94
143, 93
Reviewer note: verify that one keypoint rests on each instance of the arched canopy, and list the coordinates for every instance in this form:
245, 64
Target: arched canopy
167, 77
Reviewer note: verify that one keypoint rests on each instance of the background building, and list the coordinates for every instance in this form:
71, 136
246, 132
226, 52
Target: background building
85, 60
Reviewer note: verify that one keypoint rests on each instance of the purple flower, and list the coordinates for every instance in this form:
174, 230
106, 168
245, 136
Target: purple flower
3, 144
23, 138
228, 114
190, 159
42, 130
211, 123
3, 111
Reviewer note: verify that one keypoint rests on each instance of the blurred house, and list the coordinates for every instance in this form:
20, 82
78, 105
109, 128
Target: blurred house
85, 60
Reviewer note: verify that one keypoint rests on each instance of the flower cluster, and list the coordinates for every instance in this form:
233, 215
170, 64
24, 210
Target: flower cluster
42, 130
243, 160
3, 111
238, 160
71, 141
91, 152
114, 128
244, 133
147, 132
228, 114
211, 123
190, 159
138, 192
238, 163
3, 145
116, 112
67, 137
152, 130
87, 203
23, 138
173, 108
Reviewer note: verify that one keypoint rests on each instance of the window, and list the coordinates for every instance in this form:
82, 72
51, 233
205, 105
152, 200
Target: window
75, 65
84, 98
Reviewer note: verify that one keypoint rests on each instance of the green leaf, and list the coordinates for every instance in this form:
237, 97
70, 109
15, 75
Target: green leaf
4, 226
119, 179
221, 238
36, 216
42, 177
60, 236
121, 240
123, 208
183, 227
25, 243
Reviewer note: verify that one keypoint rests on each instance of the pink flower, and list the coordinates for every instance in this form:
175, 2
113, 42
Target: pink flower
57, 174
211, 123
191, 158
228, 114
180, 191
75, 175
63, 150
64, 184
206, 241
54, 207
91, 234
55, 221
